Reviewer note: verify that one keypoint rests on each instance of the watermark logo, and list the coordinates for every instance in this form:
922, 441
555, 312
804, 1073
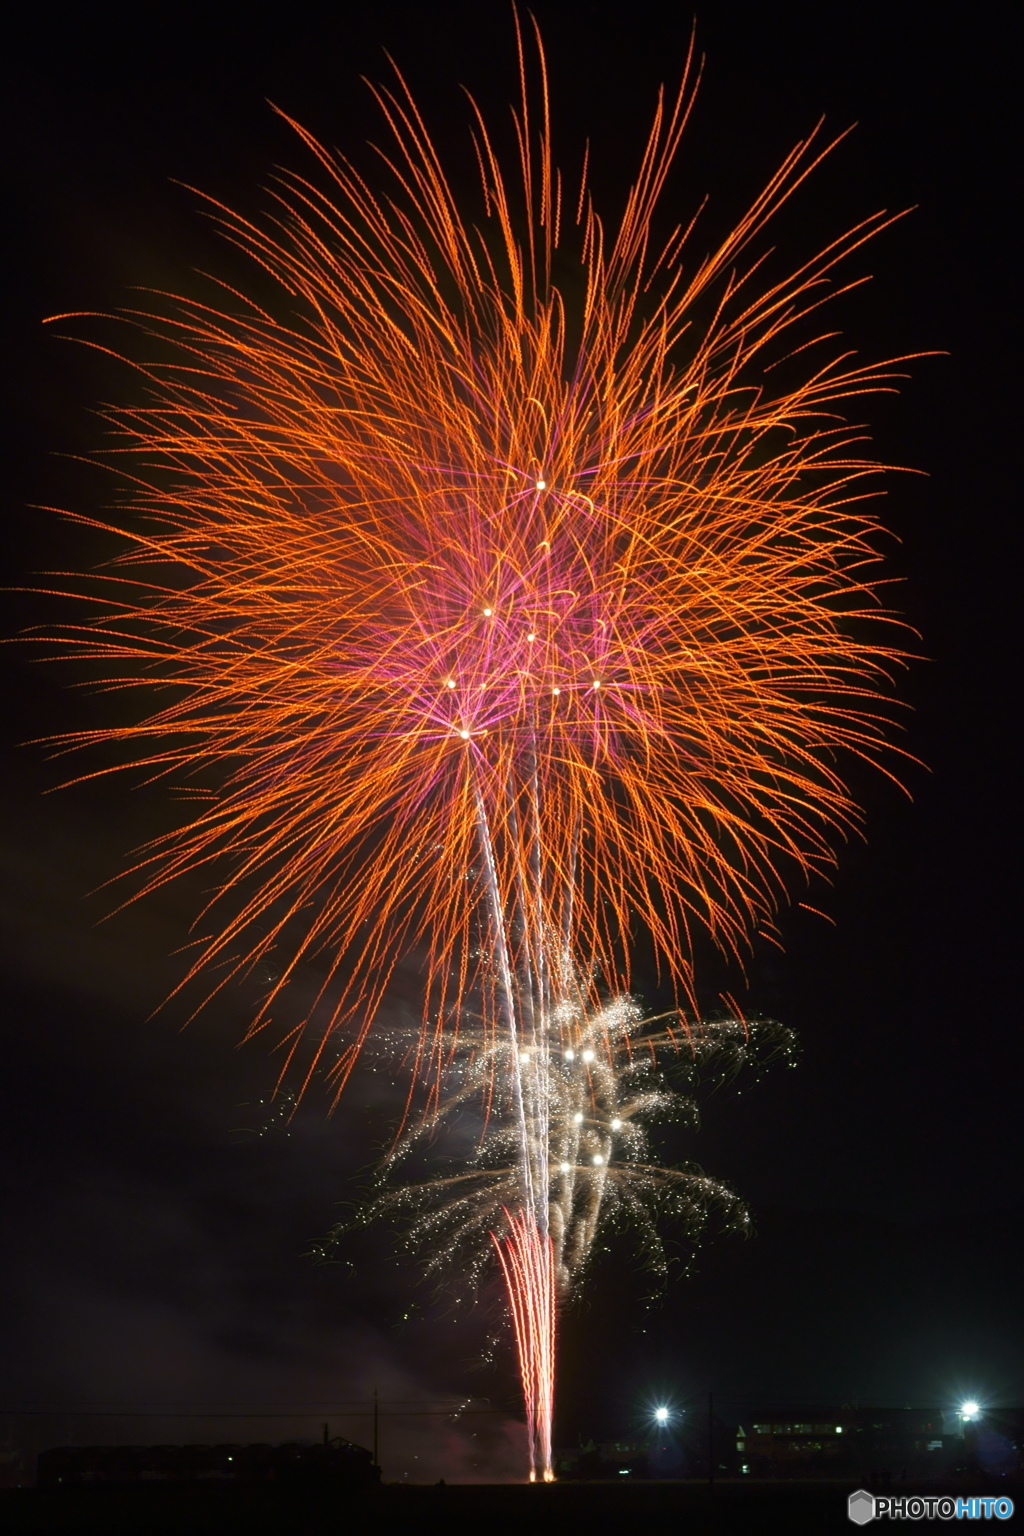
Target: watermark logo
863, 1506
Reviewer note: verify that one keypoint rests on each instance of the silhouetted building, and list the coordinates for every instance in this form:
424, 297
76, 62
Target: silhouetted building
610, 1459
334, 1463
884, 1444
876, 1445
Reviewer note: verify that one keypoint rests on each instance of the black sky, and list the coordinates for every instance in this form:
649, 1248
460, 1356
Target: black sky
155, 1250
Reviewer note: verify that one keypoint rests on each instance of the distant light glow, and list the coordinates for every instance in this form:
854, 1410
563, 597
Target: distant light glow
570, 1055
450, 683
464, 735
542, 485
969, 1410
598, 1160
565, 1167
616, 1125
588, 1056
577, 1118
661, 1415
488, 612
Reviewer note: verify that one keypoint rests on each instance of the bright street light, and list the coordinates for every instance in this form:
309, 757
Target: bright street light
970, 1410
661, 1415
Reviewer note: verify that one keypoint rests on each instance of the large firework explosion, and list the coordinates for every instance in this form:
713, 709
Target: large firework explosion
497, 617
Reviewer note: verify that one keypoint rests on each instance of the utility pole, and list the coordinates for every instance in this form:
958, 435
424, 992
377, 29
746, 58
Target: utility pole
711, 1440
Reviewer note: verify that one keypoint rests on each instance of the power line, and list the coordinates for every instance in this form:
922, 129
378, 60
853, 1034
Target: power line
364, 1408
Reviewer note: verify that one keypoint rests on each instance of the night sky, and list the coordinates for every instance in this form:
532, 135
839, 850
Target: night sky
157, 1212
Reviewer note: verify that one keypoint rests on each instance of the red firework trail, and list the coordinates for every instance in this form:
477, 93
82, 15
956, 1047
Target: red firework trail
527, 1264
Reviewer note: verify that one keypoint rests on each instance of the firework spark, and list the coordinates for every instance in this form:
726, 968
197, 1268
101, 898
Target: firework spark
628, 1074
494, 617
594, 1105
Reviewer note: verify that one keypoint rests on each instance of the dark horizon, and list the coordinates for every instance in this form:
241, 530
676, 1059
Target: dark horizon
159, 1213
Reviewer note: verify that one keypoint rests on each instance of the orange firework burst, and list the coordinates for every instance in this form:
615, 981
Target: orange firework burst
512, 614
443, 542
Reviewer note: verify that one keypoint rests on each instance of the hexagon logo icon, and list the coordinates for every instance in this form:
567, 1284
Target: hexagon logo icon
861, 1507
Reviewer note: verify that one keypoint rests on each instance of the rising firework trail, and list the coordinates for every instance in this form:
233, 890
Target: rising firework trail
496, 616
600, 1101
529, 1274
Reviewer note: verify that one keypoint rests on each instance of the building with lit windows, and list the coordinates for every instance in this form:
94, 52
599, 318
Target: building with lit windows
885, 1444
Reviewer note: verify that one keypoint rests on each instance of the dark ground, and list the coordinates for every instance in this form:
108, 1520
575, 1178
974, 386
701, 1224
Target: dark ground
564, 1508
157, 1217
